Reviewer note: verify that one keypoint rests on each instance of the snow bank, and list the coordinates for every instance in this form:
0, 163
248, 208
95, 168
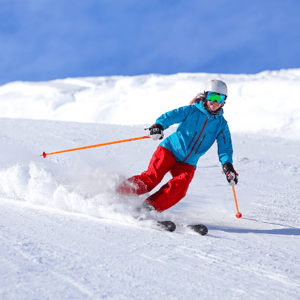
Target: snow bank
266, 102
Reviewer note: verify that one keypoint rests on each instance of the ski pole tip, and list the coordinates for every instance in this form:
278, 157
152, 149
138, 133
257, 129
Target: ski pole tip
44, 154
239, 215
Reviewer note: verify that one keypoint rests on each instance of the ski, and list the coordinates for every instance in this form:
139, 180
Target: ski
199, 228
167, 225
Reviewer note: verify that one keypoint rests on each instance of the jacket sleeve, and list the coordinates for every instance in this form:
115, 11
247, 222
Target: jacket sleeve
225, 150
173, 117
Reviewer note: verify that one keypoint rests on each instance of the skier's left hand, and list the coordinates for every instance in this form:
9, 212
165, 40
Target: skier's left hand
230, 173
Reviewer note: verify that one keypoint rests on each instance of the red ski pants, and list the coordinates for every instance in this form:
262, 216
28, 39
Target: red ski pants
169, 194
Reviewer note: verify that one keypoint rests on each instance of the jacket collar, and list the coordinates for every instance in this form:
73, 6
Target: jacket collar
202, 109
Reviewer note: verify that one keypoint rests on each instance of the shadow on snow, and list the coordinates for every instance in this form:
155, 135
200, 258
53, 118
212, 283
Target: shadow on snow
282, 231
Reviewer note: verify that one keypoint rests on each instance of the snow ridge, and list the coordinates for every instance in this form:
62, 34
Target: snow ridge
265, 102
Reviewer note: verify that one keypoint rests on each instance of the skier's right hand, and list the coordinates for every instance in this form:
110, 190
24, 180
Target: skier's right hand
156, 132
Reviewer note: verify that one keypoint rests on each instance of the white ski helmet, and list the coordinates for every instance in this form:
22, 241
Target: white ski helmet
216, 86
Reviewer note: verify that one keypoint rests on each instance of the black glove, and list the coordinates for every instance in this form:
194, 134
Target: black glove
156, 132
230, 173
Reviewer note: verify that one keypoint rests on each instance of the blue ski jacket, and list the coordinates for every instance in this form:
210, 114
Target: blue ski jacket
196, 133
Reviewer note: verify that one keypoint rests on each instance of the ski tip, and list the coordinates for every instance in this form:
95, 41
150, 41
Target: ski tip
167, 225
239, 215
199, 228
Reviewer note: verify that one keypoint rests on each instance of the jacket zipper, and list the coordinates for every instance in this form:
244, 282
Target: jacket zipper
196, 141
200, 144
223, 137
192, 140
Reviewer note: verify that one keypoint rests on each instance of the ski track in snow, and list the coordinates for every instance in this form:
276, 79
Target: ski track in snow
65, 235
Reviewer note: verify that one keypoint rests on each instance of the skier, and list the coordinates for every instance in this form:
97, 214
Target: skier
200, 124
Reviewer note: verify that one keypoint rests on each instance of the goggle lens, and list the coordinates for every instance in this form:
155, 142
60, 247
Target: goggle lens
211, 96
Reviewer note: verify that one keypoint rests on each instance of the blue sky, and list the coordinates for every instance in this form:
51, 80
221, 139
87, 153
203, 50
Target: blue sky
50, 39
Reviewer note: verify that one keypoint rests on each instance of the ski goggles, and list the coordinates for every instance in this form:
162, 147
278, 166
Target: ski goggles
220, 98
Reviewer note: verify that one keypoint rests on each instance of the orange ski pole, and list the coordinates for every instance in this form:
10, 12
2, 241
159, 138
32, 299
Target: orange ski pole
98, 145
238, 215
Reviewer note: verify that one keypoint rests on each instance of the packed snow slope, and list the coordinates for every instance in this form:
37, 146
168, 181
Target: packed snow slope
267, 102
65, 233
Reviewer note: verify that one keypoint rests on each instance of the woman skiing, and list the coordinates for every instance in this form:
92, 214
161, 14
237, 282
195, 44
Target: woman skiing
200, 124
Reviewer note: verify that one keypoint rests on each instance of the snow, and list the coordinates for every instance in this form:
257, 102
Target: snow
65, 234
266, 101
